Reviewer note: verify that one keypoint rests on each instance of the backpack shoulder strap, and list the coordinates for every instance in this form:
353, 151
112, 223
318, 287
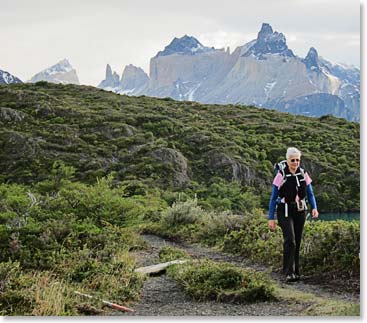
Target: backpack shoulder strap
282, 166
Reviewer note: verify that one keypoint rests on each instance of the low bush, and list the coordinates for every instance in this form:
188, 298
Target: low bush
207, 280
169, 253
57, 240
13, 300
182, 213
331, 247
215, 226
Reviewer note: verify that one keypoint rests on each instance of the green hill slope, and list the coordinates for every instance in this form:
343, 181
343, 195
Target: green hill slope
175, 146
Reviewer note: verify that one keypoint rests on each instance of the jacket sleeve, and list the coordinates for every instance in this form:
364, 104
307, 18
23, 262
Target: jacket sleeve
311, 196
273, 202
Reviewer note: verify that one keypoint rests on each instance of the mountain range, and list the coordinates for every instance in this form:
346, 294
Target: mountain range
264, 73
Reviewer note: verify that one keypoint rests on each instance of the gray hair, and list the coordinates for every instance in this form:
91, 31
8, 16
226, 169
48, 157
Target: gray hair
292, 151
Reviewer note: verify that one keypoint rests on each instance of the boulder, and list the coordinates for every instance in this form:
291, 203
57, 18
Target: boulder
177, 163
11, 115
230, 169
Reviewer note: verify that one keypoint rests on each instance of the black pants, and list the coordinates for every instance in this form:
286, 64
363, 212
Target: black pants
292, 227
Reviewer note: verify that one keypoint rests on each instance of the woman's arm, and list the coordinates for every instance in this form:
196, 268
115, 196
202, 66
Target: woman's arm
311, 196
312, 200
273, 202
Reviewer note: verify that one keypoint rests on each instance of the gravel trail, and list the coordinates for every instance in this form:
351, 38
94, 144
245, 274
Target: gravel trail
161, 295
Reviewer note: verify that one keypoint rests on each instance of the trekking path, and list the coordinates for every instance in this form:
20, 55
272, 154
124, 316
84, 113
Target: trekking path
162, 296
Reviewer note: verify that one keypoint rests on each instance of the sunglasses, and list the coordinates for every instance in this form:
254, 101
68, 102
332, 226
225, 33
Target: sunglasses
295, 160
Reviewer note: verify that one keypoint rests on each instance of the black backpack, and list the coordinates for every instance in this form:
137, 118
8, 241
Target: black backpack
281, 166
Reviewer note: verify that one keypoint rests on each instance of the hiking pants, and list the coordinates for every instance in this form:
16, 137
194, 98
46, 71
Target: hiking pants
292, 227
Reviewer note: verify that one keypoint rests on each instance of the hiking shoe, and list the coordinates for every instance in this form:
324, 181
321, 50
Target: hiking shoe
290, 278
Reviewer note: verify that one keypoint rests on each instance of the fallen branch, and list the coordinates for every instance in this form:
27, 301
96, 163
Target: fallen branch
109, 304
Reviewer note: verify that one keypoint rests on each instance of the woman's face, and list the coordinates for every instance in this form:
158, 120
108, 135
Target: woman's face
293, 162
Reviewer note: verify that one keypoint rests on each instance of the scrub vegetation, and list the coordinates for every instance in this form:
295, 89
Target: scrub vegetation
84, 171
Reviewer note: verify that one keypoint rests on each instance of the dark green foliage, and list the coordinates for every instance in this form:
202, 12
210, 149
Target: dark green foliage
328, 248
71, 217
332, 247
12, 300
98, 132
63, 227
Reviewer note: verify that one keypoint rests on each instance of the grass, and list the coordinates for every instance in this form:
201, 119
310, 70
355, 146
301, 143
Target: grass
317, 306
51, 295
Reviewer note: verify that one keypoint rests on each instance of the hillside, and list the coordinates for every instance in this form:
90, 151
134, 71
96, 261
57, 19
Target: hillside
210, 150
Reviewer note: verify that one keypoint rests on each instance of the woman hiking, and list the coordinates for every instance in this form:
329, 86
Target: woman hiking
290, 187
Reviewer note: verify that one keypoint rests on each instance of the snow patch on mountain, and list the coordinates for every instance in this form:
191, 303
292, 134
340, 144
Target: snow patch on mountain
7, 78
62, 72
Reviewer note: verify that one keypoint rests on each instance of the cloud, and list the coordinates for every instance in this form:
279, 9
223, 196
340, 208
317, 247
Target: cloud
224, 39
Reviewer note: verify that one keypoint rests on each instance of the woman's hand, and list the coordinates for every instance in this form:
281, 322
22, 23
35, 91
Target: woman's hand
315, 213
272, 225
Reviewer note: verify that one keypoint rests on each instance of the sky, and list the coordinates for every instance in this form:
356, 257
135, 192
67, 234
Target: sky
36, 34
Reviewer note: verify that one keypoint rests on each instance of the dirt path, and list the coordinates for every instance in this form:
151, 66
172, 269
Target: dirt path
161, 295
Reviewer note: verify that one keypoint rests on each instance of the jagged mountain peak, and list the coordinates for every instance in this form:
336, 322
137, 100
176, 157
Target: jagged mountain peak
112, 80
312, 52
265, 30
65, 62
312, 60
61, 66
186, 45
269, 42
108, 71
132, 67
61, 72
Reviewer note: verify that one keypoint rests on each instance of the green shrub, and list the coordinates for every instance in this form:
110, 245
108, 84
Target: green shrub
207, 280
169, 253
330, 247
182, 213
13, 300
216, 225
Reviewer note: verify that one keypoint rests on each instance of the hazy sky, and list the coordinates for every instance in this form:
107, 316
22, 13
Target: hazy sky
90, 33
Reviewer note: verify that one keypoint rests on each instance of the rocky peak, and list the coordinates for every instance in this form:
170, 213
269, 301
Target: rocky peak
61, 72
186, 45
269, 42
62, 66
64, 63
112, 80
108, 72
311, 61
7, 78
133, 77
265, 31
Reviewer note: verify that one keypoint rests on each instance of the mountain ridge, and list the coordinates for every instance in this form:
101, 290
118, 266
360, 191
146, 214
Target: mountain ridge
264, 72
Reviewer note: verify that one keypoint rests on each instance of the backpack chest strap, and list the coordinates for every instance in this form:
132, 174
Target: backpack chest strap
297, 179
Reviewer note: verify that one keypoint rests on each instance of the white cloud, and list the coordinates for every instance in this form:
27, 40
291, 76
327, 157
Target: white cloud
223, 39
